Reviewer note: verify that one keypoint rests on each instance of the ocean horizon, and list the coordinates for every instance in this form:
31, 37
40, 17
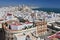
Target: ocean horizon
56, 10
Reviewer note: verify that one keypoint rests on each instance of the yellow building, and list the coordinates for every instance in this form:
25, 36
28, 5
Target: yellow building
41, 28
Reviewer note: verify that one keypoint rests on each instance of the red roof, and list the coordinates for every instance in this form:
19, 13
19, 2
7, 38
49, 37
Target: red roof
8, 14
58, 35
16, 24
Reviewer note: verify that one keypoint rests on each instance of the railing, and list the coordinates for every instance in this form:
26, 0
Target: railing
10, 34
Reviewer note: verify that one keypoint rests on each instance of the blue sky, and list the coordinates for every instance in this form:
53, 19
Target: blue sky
39, 3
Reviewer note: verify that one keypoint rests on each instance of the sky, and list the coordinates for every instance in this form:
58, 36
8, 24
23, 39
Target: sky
39, 3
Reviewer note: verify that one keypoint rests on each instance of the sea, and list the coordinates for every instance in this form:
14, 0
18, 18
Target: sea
56, 10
